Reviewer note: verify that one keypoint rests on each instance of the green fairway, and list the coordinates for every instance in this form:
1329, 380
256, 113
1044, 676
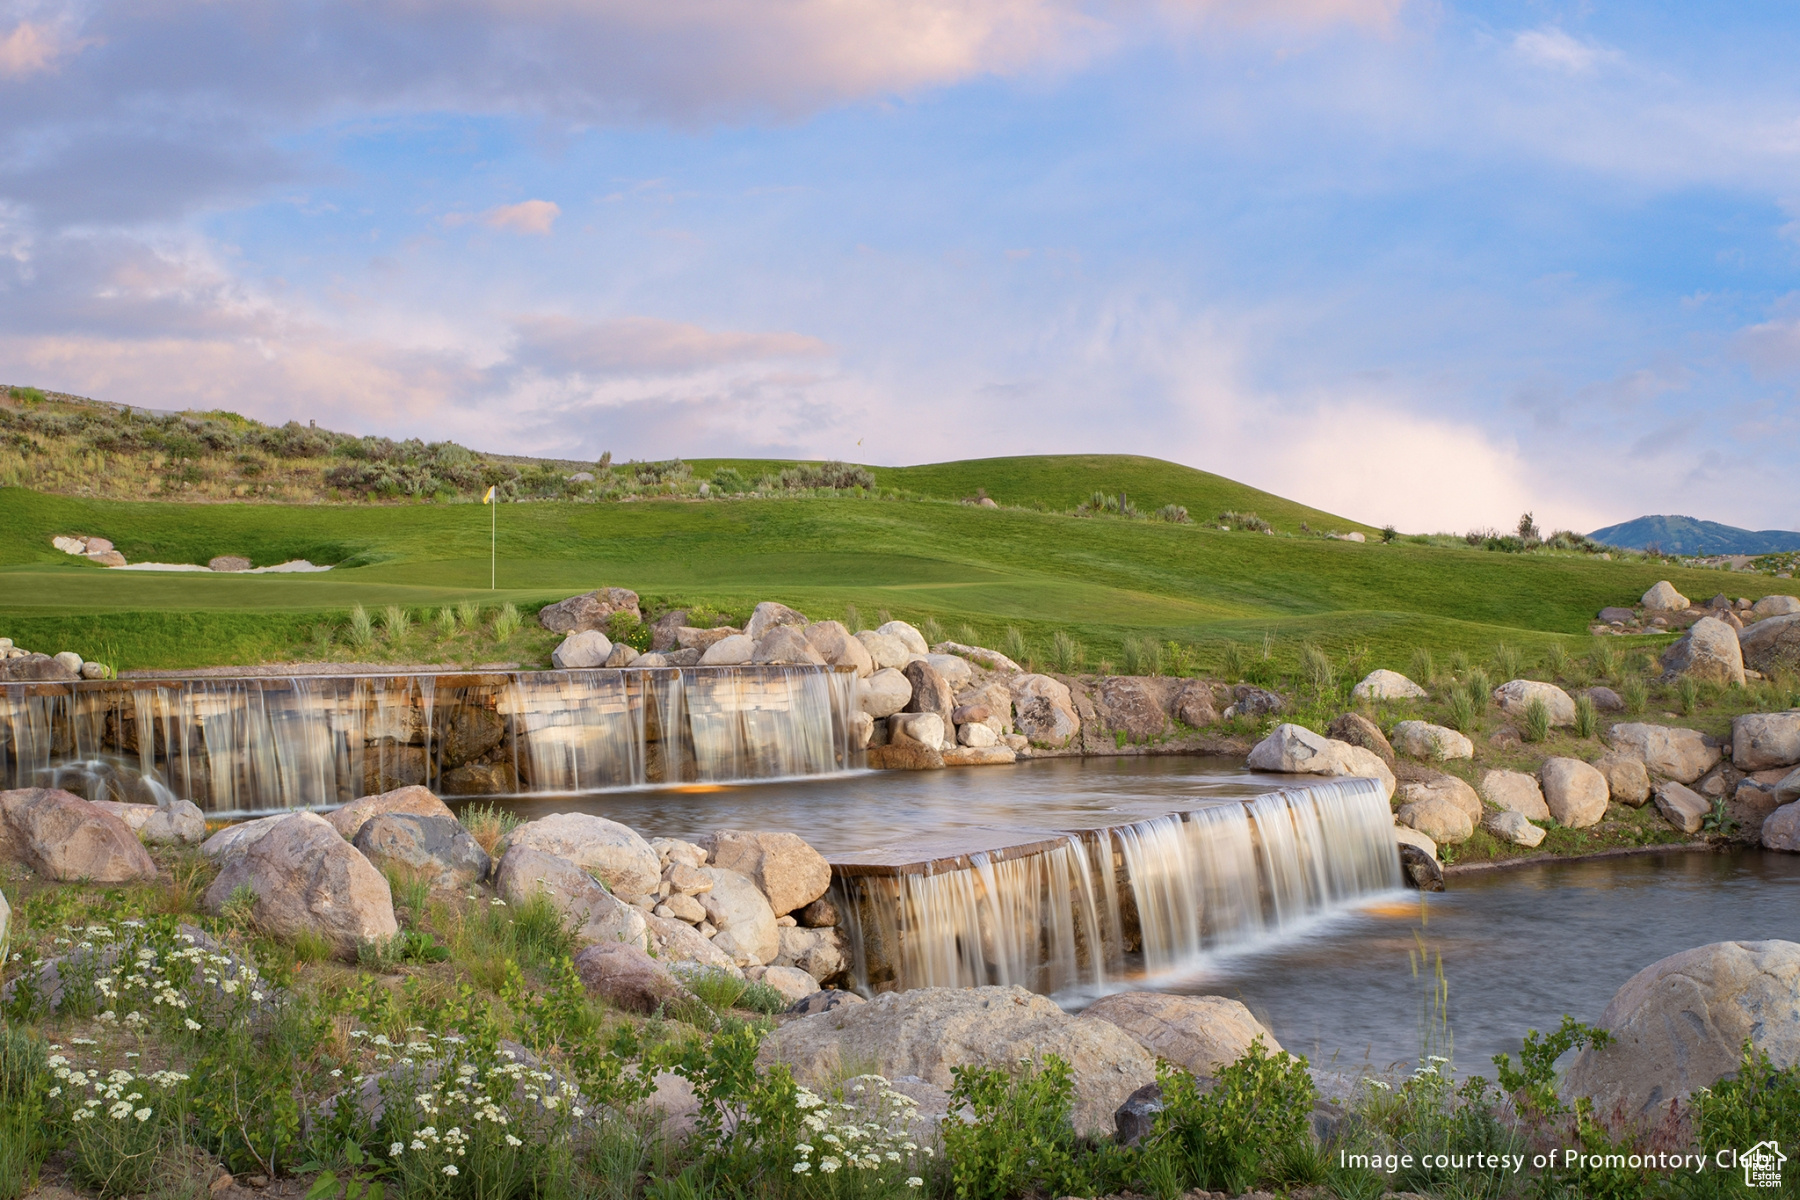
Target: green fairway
1104, 579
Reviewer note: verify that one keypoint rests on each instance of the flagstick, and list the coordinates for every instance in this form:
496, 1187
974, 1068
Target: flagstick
494, 548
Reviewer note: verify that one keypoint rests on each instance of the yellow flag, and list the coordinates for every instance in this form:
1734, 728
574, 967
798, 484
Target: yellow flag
489, 498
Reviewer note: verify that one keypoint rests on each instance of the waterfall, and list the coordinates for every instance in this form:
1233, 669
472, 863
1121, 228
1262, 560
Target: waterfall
1147, 897
253, 745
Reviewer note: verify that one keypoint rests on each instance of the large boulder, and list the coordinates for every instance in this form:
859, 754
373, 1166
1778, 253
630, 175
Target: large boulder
1664, 598
884, 693
589, 611
1422, 739
790, 873
37, 668
1575, 792
307, 879
785, 645
626, 977
834, 644
465, 733
1043, 710
1131, 705
689, 638
1438, 818
1357, 730
234, 839
584, 650
819, 952
436, 849
1681, 806
884, 650
1514, 827
178, 823
1514, 791
63, 837
931, 692
743, 916
1683, 755
1515, 696
1781, 829
1775, 606
595, 914
1627, 778
1387, 685
906, 635
1194, 707
733, 650
954, 668
683, 947
927, 1031
612, 853
1445, 787
480, 779
1297, 750
1787, 788
1198, 1033
1680, 1025
1763, 741
1772, 644
921, 729
417, 801
1708, 651
769, 615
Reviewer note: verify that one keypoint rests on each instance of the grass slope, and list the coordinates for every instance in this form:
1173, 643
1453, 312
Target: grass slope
1104, 579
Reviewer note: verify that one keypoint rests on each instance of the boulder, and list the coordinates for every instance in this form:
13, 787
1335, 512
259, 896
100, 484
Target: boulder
884, 651
681, 906
63, 837
910, 756
1681, 806
931, 692
36, 668
819, 952
1787, 788
733, 650
689, 638
785, 645
612, 853
465, 733
820, 914
1680, 1025
228, 563
1627, 778
1251, 701
1387, 685
1514, 791
790, 873
307, 879
1575, 792
1444, 787
1775, 606
1132, 706
672, 658
672, 852
746, 922
860, 729
595, 914
955, 669
1615, 615
1781, 829
589, 611
662, 630
1515, 696
979, 756
1198, 1033
835, 645
768, 616
1422, 739
1194, 707
621, 656
178, 823
1514, 827
682, 946
1043, 710
906, 635
1750, 806
981, 656
433, 848
1438, 818
1419, 863
1664, 598
884, 693
1708, 651
1357, 730
976, 736
794, 984
1297, 750
70, 662
1772, 644
233, 839
927, 1031
1762, 741
481, 779
626, 977
1679, 754
825, 1001
415, 800
917, 729
1604, 699
583, 650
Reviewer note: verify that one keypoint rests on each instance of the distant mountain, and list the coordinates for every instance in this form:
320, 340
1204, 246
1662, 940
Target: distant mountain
1688, 535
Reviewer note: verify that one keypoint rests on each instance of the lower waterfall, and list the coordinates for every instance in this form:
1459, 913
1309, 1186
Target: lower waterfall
1147, 897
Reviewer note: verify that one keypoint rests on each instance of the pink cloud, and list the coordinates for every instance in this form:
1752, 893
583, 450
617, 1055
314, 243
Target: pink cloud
31, 48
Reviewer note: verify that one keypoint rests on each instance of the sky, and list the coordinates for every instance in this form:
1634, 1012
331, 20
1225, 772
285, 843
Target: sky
1431, 264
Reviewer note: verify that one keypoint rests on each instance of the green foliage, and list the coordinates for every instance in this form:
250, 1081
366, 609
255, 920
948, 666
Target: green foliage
853, 620
1532, 1084
932, 630
24, 1078
1587, 721
1603, 659
1761, 1101
362, 628
1233, 662
1506, 661
1066, 654
1316, 670
506, 621
395, 621
1021, 1140
1687, 692
1461, 711
1013, 645
1635, 694
1254, 1116
1557, 661
1535, 725
446, 621
1422, 670
633, 631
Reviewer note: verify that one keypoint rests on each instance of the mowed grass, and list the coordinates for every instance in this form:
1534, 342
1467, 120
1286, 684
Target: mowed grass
1102, 579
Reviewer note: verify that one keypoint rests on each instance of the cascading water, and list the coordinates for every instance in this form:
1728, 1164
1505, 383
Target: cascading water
1147, 897
244, 746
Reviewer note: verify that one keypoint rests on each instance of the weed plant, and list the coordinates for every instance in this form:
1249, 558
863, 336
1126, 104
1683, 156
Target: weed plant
1013, 644
395, 621
506, 622
1233, 662
1635, 694
853, 620
1535, 725
1461, 711
1506, 661
1422, 670
1687, 692
933, 631
1587, 720
1066, 654
362, 628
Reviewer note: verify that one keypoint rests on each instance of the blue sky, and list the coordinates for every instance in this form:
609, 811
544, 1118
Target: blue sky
1424, 263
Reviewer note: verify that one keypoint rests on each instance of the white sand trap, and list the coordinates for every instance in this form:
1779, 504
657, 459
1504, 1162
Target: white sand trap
295, 567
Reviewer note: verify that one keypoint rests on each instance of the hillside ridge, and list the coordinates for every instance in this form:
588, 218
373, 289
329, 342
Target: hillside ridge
1675, 534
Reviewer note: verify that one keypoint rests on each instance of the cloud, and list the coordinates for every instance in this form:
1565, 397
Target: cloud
527, 216
1555, 49
31, 47
554, 345
1770, 347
